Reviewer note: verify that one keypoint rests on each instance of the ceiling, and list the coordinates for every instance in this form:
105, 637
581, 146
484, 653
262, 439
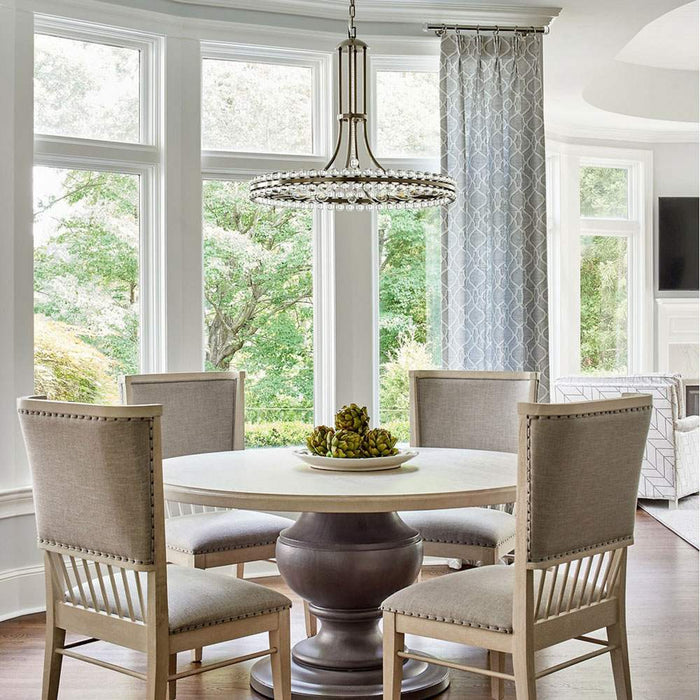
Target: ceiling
624, 69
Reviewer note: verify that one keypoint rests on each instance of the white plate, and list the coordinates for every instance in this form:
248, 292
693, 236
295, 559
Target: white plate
365, 464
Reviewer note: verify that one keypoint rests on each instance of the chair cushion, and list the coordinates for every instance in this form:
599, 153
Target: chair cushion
481, 597
218, 531
483, 527
196, 598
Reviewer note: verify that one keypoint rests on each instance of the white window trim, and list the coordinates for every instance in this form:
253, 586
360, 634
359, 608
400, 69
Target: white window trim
565, 227
241, 166
142, 159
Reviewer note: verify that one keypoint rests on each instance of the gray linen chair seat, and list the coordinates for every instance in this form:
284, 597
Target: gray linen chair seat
197, 598
481, 527
219, 531
480, 597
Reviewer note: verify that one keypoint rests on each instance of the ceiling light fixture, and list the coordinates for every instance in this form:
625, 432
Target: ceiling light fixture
353, 179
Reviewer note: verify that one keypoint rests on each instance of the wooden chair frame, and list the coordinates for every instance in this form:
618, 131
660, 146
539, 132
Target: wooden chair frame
137, 616
233, 557
596, 599
486, 555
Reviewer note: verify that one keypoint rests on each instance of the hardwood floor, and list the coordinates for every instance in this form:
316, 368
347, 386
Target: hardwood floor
662, 621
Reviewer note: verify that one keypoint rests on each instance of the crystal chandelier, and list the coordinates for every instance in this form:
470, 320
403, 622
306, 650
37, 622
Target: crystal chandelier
353, 179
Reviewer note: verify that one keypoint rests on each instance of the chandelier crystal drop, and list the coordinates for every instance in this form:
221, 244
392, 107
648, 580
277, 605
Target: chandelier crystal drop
353, 179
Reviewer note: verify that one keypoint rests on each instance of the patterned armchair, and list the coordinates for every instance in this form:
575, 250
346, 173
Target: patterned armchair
670, 467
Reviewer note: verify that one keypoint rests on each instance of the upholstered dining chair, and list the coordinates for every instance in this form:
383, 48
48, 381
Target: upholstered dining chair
98, 492
578, 471
204, 412
467, 410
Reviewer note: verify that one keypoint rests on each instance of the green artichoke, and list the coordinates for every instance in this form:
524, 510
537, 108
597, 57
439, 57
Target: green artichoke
345, 443
379, 443
317, 442
353, 418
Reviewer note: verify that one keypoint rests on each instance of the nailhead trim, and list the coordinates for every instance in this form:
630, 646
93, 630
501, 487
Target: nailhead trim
221, 549
123, 419
213, 623
474, 543
529, 477
453, 621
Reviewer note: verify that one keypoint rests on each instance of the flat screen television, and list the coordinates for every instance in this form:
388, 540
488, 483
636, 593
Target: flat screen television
678, 244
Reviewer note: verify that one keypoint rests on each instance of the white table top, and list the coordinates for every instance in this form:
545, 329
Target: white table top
275, 479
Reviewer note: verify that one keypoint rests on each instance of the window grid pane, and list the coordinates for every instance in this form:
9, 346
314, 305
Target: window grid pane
408, 114
257, 107
409, 307
86, 90
604, 192
604, 304
86, 283
258, 309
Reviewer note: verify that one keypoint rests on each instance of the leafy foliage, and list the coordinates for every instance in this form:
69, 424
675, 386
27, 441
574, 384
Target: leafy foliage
258, 293
86, 263
603, 304
68, 368
409, 304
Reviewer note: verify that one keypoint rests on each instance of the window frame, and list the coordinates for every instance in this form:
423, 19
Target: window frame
241, 166
377, 64
565, 228
318, 62
402, 64
142, 159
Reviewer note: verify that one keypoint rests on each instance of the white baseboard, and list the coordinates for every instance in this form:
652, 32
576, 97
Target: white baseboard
21, 591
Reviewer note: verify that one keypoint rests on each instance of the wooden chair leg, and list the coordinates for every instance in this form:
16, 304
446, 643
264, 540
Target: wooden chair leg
55, 639
617, 634
281, 660
197, 655
157, 673
172, 669
310, 621
497, 662
240, 570
524, 672
393, 666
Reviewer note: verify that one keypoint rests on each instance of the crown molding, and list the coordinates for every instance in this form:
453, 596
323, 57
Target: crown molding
568, 133
393, 11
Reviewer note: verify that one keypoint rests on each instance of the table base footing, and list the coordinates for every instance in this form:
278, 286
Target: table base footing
420, 680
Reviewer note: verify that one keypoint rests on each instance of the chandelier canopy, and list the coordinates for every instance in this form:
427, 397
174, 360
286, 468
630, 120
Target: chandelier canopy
353, 179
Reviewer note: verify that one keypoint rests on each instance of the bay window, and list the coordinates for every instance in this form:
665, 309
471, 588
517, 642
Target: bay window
97, 305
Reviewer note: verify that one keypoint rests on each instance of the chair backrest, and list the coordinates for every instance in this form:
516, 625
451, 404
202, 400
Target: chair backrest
202, 411
97, 479
469, 410
579, 470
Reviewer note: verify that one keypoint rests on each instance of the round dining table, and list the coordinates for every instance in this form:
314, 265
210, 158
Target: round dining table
347, 551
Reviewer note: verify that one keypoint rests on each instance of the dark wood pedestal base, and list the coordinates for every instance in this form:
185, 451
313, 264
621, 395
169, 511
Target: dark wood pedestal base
345, 565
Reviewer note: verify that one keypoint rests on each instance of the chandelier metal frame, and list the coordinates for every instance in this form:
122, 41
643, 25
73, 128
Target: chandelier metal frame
353, 179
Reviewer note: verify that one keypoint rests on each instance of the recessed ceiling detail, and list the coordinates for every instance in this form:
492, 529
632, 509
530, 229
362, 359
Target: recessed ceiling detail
670, 41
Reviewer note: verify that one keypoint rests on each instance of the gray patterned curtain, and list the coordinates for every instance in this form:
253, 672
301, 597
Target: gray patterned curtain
494, 240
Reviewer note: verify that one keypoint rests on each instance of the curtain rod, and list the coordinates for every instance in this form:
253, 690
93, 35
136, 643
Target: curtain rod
441, 29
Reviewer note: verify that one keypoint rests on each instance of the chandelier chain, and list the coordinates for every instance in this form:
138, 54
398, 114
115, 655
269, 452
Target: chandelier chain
352, 30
